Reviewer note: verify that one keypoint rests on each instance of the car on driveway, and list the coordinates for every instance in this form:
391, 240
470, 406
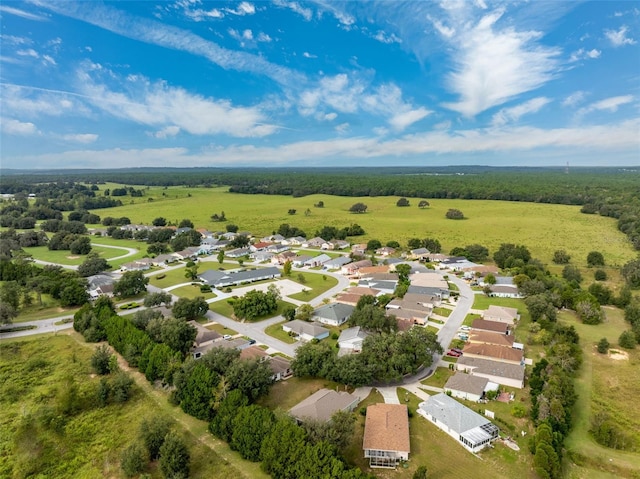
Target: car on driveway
226, 337
453, 354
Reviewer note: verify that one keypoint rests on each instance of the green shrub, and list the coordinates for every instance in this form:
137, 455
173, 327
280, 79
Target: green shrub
133, 460
161, 276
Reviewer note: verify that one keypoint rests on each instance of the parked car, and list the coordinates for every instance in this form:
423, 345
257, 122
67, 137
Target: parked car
454, 354
457, 350
226, 337
252, 341
465, 328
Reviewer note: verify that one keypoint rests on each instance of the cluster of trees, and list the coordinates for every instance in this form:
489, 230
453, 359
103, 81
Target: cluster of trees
256, 304
328, 233
510, 255
93, 264
553, 397
11, 241
131, 283
432, 244
184, 308
75, 243
128, 190
84, 216
56, 226
111, 221
157, 441
57, 195
218, 218
358, 208
386, 356
289, 231
454, 214
473, 252
115, 385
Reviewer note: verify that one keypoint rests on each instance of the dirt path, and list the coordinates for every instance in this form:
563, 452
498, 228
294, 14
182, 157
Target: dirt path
195, 427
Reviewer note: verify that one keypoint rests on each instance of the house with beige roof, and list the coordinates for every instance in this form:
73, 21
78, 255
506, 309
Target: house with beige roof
484, 337
490, 326
511, 375
322, 404
501, 314
495, 353
305, 331
469, 387
386, 435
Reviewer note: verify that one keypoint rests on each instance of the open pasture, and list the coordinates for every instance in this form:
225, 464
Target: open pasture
544, 228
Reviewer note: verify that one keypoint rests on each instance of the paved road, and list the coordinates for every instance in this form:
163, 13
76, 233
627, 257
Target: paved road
130, 251
41, 326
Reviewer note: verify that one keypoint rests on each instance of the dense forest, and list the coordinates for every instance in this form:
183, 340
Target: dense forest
613, 192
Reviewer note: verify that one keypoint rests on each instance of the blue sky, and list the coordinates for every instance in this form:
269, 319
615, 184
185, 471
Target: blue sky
281, 83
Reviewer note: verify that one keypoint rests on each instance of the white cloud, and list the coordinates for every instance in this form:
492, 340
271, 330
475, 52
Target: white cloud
167, 132
330, 116
264, 38
156, 33
494, 65
402, 120
513, 114
13, 40
36, 102
245, 8
309, 55
342, 128
387, 38
608, 104
306, 13
582, 54
445, 31
81, 137
21, 13
247, 34
30, 52
619, 37
20, 128
148, 103
574, 99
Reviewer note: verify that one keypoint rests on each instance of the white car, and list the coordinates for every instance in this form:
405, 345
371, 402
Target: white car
465, 328
226, 337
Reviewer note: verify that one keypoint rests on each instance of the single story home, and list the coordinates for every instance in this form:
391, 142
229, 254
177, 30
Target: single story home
359, 249
280, 367
420, 254
409, 310
221, 279
385, 287
469, 428
504, 291
283, 257
135, 266
298, 261
316, 242
385, 251
490, 326
386, 435
511, 375
204, 340
261, 256
501, 314
322, 404
164, 259
317, 260
237, 343
188, 253
351, 339
336, 263
305, 331
259, 246
294, 241
485, 337
333, 314
469, 387
352, 268
273, 239
495, 353
100, 284
369, 271
335, 244
238, 252
278, 248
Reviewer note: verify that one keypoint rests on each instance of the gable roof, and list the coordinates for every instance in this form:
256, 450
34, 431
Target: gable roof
322, 404
302, 327
253, 352
334, 311
502, 312
352, 333
491, 338
467, 383
203, 334
487, 325
386, 428
452, 414
493, 368
337, 262
491, 351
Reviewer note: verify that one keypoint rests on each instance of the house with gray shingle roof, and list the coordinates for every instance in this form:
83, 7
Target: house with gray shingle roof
351, 339
473, 431
221, 279
336, 263
322, 404
333, 314
305, 331
469, 387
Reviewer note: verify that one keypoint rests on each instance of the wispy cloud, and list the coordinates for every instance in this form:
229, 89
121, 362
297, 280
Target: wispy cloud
306, 13
16, 127
583, 54
156, 33
166, 132
22, 13
36, 102
149, 103
245, 8
513, 114
494, 65
342, 128
608, 104
309, 55
15, 40
619, 37
85, 138
388, 38
574, 99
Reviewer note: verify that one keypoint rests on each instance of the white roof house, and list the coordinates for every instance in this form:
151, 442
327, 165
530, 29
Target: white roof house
469, 428
305, 331
351, 339
469, 387
333, 314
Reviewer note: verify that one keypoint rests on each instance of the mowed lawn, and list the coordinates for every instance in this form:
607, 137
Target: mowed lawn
543, 228
605, 384
314, 283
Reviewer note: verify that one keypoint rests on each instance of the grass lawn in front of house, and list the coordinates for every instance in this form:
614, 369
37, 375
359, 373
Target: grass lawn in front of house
314, 283
446, 312
286, 394
192, 291
276, 331
221, 329
470, 318
169, 278
482, 301
439, 378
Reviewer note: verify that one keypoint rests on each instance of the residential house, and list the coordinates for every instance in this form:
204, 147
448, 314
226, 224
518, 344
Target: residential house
484, 337
435, 257
254, 352
469, 387
351, 339
369, 271
511, 375
438, 292
385, 251
413, 311
333, 314
238, 252
317, 261
336, 263
352, 295
305, 331
204, 340
262, 256
229, 235
348, 298
352, 268
469, 428
419, 254
278, 248
494, 353
283, 257
136, 266
188, 253
100, 284
184, 229
299, 261
273, 239
490, 326
335, 244
221, 279
280, 367
359, 249
237, 343
386, 435
385, 287
429, 280
259, 246
316, 242
504, 291
501, 314
294, 241
322, 404
164, 259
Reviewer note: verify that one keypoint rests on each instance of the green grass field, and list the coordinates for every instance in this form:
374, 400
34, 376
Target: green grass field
543, 228
315, 284
276, 331
286, 394
604, 384
191, 291
92, 441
